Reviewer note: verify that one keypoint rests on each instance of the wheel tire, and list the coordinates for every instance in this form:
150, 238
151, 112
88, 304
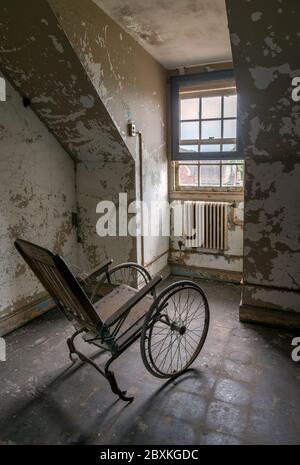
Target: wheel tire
122, 271
130, 273
176, 317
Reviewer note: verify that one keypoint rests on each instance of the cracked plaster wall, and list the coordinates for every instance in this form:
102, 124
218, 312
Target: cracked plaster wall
36, 56
38, 59
37, 197
132, 86
61, 92
265, 43
228, 263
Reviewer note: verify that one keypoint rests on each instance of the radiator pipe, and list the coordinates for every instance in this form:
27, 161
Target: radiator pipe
140, 138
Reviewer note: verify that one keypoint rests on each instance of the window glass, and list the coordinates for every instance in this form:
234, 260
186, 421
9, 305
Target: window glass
206, 128
211, 129
209, 176
232, 175
189, 108
211, 107
188, 148
188, 175
207, 118
229, 147
189, 131
210, 173
230, 106
210, 148
229, 131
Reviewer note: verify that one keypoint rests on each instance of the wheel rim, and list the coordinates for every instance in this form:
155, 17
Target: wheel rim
131, 274
128, 273
177, 330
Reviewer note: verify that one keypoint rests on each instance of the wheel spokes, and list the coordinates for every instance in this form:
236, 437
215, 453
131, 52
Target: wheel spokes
176, 334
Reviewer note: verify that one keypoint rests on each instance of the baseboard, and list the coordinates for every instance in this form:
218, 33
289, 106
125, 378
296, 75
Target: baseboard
268, 296
269, 317
165, 272
25, 314
206, 273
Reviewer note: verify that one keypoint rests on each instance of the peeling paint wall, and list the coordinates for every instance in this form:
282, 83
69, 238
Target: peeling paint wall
66, 100
36, 56
102, 181
37, 197
226, 265
88, 119
265, 44
132, 86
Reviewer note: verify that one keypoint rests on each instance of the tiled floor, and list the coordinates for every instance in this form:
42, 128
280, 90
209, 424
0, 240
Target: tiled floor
243, 389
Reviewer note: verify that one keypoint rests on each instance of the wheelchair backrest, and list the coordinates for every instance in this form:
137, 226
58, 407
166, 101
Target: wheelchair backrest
61, 284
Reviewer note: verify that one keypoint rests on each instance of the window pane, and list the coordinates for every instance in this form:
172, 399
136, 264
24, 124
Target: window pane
230, 106
188, 175
229, 147
189, 108
229, 131
210, 176
210, 148
189, 131
211, 129
211, 107
232, 175
188, 148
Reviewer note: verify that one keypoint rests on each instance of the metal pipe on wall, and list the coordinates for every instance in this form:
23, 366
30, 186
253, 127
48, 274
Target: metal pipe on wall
140, 139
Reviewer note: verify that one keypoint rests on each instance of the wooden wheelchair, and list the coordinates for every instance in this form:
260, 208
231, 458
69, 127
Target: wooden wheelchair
112, 307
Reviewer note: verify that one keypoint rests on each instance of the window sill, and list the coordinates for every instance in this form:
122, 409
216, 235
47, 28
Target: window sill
208, 194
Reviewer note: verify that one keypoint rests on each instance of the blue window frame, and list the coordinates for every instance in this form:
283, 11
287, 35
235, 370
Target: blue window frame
204, 123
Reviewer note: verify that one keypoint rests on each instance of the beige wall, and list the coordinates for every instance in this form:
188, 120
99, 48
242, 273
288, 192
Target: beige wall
65, 99
265, 60
85, 93
132, 86
37, 197
222, 265
96, 181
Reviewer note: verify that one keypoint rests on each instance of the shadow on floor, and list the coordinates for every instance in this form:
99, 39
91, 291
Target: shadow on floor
244, 388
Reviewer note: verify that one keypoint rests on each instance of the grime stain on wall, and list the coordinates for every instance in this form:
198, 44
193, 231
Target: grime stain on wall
119, 69
37, 198
63, 97
270, 133
85, 102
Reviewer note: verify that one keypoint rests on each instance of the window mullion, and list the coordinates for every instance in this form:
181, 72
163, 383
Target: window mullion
222, 121
200, 129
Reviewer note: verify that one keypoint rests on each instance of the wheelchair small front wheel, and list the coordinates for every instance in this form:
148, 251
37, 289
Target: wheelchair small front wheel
175, 329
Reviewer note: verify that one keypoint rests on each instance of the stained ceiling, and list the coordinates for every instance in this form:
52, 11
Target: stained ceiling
175, 32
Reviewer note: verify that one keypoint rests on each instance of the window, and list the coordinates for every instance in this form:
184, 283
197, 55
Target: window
205, 142
208, 123
210, 174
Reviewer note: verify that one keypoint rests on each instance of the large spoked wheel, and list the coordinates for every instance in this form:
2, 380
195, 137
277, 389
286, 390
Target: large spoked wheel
175, 329
129, 273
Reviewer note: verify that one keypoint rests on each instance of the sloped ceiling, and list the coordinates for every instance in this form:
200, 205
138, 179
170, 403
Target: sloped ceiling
37, 58
176, 33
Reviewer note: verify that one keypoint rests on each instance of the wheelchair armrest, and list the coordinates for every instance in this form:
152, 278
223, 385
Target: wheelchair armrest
99, 269
132, 301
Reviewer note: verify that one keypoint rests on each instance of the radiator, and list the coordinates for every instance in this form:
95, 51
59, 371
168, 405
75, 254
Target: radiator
206, 225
